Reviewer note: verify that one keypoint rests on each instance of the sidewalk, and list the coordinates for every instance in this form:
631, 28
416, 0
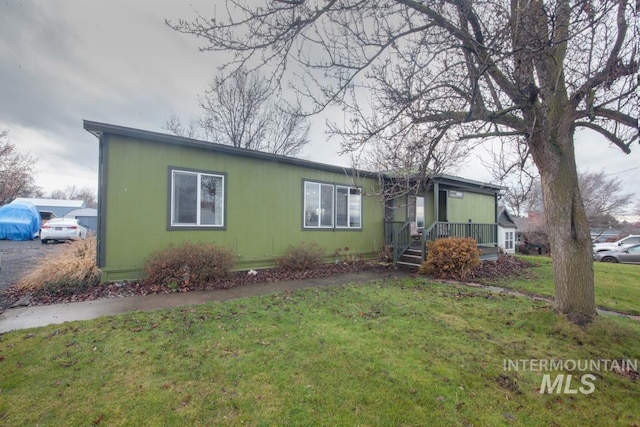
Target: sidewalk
37, 316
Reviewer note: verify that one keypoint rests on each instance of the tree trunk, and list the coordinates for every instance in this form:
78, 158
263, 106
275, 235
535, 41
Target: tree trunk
566, 225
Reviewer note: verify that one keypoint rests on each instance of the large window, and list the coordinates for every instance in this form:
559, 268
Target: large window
197, 199
332, 206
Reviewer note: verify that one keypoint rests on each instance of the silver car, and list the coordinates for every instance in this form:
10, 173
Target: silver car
631, 255
62, 229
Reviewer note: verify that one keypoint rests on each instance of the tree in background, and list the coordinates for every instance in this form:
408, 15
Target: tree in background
74, 193
535, 70
603, 196
239, 110
511, 166
16, 172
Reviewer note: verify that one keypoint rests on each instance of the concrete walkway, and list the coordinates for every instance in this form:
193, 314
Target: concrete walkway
32, 317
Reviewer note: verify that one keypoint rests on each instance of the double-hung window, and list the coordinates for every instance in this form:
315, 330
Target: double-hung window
329, 206
508, 240
197, 199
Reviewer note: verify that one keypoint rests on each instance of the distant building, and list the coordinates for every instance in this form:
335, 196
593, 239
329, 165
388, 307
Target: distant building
53, 208
86, 216
507, 231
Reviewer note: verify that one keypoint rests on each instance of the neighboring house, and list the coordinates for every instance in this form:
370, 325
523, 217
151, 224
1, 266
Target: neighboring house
53, 208
87, 217
522, 226
157, 189
507, 231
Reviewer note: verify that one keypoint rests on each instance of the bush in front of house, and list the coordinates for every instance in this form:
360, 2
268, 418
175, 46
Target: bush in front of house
69, 271
451, 258
305, 256
190, 264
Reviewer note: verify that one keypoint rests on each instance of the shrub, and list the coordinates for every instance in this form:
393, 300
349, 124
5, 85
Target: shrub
69, 271
190, 264
345, 256
305, 256
451, 258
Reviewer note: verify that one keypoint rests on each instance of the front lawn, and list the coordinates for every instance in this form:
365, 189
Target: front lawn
407, 352
617, 286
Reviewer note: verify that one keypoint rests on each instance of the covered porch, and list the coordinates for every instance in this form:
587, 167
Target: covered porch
442, 206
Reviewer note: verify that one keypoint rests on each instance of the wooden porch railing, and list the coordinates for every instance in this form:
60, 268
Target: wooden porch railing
398, 234
484, 234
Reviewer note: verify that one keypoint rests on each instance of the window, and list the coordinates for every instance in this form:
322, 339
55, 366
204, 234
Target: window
332, 206
197, 199
508, 240
420, 212
415, 205
348, 207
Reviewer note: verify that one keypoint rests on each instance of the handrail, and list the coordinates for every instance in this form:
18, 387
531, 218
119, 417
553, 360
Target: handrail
398, 235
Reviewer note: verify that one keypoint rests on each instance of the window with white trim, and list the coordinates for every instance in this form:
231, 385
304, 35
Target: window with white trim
508, 240
348, 207
328, 206
197, 199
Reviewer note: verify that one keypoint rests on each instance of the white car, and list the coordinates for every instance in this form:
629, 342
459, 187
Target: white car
62, 229
621, 244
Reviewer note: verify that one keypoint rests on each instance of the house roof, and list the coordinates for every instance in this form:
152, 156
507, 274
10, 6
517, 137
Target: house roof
82, 212
99, 129
506, 220
56, 203
458, 181
521, 223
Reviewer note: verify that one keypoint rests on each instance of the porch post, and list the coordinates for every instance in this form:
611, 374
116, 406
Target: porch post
436, 201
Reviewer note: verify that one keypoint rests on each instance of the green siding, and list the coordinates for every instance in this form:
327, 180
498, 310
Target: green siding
480, 208
263, 207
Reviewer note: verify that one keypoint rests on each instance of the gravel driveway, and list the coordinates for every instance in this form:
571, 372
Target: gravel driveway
17, 257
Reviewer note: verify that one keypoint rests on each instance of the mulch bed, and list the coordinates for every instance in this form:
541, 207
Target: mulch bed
506, 266
140, 287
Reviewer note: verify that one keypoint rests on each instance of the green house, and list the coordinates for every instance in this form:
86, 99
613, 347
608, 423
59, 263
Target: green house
157, 189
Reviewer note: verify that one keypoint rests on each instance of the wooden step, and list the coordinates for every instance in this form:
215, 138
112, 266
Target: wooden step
408, 265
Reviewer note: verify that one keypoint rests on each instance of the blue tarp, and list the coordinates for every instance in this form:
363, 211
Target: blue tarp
19, 221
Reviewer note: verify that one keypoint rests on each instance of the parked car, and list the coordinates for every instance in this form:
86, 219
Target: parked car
624, 243
62, 229
629, 255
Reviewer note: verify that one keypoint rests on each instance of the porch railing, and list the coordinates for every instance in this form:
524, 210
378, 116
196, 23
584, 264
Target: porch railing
398, 235
484, 234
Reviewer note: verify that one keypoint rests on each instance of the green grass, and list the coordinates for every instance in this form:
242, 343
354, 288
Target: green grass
617, 286
385, 354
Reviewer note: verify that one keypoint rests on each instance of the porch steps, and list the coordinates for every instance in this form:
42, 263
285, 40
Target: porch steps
411, 259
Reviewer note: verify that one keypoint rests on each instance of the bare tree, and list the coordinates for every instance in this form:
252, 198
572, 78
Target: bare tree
536, 70
239, 110
511, 166
72, 192
175, 126
16, 172
604, 198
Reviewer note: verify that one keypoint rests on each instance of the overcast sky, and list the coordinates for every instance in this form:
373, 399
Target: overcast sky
116, 62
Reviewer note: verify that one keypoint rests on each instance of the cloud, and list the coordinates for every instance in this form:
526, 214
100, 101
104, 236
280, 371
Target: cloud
117, 62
